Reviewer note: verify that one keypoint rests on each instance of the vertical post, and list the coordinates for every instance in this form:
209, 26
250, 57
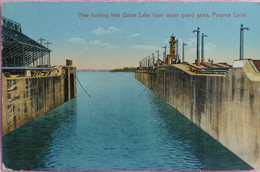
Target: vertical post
41, 39
33, 60
49, 59
153, 59
48, 55
242, 41
158, 60
202, 47
23, 57
46, 59
198, 45
164, 54
40, 61
41, 56
183, 44
37, 59
177, 51
43, 59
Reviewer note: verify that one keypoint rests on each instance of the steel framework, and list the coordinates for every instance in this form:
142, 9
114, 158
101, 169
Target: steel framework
20, 50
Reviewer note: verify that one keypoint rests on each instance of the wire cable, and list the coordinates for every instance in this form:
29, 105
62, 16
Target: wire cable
83, 87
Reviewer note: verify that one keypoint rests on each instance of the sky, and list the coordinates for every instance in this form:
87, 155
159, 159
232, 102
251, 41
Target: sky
116, 42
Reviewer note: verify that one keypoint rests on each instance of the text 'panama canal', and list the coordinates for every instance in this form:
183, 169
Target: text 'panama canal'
117, 128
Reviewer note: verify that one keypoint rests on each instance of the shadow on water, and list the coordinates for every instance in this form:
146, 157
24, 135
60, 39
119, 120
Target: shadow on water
27, 147
207, 150
115, 129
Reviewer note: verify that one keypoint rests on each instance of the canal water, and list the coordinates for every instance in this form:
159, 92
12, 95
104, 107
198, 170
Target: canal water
117, 128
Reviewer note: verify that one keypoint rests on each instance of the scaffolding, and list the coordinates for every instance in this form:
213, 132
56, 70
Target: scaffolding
19, 50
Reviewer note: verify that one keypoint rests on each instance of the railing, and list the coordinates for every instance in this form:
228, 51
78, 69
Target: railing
152, 60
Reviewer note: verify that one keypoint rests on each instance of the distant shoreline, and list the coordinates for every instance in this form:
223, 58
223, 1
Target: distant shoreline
94, 70
125, 69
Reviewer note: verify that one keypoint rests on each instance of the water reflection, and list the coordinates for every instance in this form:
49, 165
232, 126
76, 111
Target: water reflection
115, 129
211, 154
27, 147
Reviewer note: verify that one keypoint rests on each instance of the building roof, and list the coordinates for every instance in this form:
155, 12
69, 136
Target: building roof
20, 50
17, 37
257, 64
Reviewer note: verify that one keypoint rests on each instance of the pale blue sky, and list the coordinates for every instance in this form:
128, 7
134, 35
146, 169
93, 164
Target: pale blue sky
101, 43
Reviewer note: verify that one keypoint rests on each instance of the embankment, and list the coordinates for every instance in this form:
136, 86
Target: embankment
27, 98
226, 107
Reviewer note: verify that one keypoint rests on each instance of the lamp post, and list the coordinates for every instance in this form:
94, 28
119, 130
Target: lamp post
242, 28
198, 45
164, 54
177, 50
202, 47
183, 44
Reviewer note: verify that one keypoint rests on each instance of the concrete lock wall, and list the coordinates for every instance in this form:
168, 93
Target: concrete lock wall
27, 98
226, 107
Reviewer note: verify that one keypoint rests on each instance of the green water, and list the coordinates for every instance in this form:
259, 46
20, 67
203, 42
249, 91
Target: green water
115, 129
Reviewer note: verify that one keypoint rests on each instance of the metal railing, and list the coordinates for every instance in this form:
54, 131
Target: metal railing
152, 60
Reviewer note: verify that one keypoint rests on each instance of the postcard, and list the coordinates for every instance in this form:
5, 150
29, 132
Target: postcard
130, 85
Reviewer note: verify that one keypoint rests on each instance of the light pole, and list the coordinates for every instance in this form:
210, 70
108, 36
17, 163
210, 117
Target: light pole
158, 60
242, 41
177, 51
183, 44
164, 54
41, 39
202, 47
198, 45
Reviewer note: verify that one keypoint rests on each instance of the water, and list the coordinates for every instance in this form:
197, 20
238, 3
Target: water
115, 129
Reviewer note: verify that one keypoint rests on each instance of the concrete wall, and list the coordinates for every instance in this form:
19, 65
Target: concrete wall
226, 107
27, 98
